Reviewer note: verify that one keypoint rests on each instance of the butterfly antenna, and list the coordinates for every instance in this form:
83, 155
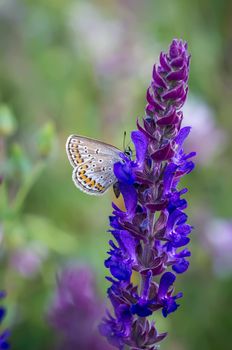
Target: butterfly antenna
128, 145
124, 141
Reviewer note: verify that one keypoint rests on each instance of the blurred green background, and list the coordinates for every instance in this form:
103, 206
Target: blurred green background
83, 67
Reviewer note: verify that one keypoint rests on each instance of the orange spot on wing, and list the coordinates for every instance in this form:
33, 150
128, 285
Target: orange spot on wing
92, 183
76, 154
100, 187
83, 177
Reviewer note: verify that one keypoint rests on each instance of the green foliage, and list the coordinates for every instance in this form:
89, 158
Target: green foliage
8, 123
57, 79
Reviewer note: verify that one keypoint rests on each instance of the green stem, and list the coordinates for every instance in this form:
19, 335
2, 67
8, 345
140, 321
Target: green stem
27, 185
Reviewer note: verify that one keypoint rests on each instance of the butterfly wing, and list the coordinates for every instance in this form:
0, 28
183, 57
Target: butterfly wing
93, 163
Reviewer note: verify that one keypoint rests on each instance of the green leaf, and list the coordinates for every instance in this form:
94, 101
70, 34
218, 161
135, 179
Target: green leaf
44, 231
8, 122
46, 139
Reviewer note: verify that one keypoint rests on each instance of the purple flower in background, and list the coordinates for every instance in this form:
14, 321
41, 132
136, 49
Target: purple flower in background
217, 240
76, 310
29, 259
201, 117
151, 234
4, 344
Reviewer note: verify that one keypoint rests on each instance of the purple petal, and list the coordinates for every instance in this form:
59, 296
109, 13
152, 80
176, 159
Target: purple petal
146, 286
124, 313
141, 310
166, 281
114, 222
184, 229
123, 172
183, 253
190, 155
183, 133
169, 174
126, 242
181, 267
185, 169
170, 305
140, 141
130, 197
180, 241
177, 217
119, 269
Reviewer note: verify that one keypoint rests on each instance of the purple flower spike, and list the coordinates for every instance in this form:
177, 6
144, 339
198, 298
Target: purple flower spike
151, 234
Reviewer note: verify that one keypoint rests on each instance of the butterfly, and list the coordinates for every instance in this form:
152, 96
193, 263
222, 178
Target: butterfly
93, 162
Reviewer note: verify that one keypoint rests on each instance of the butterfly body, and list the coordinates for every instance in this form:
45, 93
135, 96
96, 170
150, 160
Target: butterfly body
93, 163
